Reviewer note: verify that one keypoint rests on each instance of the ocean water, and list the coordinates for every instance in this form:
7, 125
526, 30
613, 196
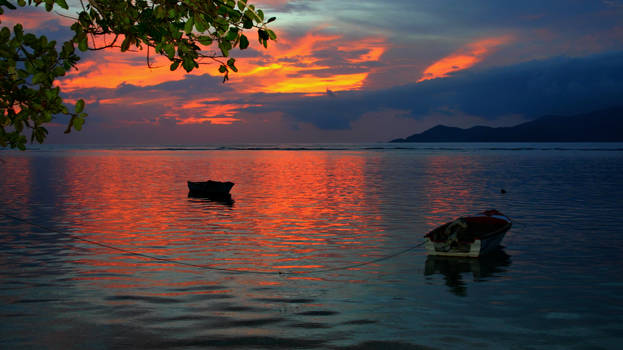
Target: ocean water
100, 247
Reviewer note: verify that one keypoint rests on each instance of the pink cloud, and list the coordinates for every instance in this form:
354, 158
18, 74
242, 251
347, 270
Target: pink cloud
464, 58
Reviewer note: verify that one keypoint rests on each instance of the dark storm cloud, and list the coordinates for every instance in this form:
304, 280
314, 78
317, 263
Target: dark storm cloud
559, 85
444, 15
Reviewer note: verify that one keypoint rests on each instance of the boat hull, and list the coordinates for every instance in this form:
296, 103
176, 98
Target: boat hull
471, 250
209, 188
493, 226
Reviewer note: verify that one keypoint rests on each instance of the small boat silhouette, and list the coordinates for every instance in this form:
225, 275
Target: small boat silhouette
470, 236
209, 188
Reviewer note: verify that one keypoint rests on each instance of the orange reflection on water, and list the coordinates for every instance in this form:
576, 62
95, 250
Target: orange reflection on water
293, 211
195, 292
108, 187
20, 180
303, 193
449, 194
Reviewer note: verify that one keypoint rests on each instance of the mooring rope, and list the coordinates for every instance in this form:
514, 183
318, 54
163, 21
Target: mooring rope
208, 267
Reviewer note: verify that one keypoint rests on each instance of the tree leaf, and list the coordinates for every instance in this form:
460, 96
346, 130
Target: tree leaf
231, 64
39, 78
77, 123
188, 27
125, 45
62, 4
205, 40
247, 22
232, 34
8, 4
19, 31
271, 34
83, 45
80, 105
262, 34
170, 51
188, 64
200, 23
59, 71
225, 46
244, 42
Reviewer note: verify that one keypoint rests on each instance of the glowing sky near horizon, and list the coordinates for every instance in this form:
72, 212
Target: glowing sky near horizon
328, 51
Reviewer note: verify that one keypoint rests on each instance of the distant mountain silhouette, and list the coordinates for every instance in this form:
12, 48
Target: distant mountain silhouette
600, 126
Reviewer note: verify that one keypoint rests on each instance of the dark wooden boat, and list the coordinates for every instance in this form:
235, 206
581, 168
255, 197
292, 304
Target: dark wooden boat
209, 188
470, 236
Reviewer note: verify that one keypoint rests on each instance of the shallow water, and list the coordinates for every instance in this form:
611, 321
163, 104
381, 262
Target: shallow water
297, 210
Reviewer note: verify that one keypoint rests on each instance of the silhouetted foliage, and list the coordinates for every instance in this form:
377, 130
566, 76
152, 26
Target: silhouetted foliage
181, 30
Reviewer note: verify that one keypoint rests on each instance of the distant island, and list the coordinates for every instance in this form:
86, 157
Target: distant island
599, 126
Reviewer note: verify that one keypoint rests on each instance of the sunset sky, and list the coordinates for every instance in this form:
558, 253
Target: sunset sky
358, 71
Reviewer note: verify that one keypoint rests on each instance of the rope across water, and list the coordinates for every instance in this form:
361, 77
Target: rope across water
208, 267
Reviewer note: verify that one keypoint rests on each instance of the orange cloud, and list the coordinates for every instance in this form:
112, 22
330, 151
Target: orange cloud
103, 69
210, 120
181, 109
200, 103
132, 100
464, 58
311, 84
111, 68
290, 65
371, 49
210, 111
311, 64
301, 65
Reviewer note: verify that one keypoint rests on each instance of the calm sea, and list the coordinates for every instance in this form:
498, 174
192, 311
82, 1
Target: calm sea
83, 276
